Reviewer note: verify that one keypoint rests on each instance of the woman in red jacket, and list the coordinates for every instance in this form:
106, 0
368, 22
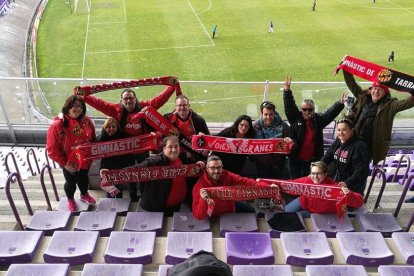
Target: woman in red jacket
318, 175
70, 129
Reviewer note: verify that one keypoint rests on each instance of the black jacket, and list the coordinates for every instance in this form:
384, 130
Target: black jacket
156, 192
115, 162
351, 163
298, 125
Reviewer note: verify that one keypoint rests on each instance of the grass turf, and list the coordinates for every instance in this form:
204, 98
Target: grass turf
135, 39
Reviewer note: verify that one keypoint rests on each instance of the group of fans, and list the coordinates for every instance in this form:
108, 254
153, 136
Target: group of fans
363, 135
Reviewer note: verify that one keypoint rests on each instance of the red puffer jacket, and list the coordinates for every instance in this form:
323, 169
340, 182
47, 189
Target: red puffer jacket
62, 140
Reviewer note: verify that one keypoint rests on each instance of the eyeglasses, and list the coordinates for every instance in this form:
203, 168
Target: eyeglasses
317, 173
219, 168
307, 109
128, 99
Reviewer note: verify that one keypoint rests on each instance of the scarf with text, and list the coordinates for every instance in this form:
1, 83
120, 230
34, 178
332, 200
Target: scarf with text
110, 178
88, 90
237, 193
241, 146
132, 145
377, 73
325, 192
154, 119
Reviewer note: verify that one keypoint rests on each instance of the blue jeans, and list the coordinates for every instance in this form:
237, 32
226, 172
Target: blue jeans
294, 206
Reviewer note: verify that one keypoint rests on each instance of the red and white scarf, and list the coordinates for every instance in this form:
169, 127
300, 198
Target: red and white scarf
109, 178
241, 146
377, 73
88, 90
321, 191
132, 145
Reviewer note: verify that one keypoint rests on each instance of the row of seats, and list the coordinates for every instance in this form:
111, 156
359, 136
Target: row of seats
241, 248
238, 270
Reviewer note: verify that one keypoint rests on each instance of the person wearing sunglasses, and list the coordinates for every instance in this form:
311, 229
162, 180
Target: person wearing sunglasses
306, 129
319, 175
349, 156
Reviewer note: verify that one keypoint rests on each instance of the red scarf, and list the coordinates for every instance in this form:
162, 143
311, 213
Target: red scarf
237, 193
133, 174
240, 145
133, 145
326, 192
88, 90
377, 73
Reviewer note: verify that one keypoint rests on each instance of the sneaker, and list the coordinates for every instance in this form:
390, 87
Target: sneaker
88, 199
409, 200
72, 205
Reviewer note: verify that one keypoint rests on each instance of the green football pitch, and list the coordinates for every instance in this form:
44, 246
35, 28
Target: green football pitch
129, 39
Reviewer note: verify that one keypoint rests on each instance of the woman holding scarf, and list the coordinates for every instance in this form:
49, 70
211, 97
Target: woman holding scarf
70, 129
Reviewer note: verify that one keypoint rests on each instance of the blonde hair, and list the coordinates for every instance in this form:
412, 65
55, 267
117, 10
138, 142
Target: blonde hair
109, 121
320, 165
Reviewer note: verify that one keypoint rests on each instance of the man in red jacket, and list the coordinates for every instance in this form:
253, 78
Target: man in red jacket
215, 176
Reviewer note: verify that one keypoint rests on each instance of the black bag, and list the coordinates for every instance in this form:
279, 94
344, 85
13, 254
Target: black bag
286, 222
201, 263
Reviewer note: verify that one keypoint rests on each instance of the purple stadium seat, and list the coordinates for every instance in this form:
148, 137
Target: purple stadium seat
268, 270
238, 222
249, 248
81, 206
38, 269
130, 247
18, 246
162, 271
276, 233
112, 269
118, 205
181, 245
144, 222
49, 221
185, 222
330, 224
384, 223
73, 247
365, 248
302, 249
103, 222
396, 270
405, 244
334, 270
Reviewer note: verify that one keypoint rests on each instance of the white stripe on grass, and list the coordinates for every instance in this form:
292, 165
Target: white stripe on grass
209, 7
86, 43
201, 23
149, 49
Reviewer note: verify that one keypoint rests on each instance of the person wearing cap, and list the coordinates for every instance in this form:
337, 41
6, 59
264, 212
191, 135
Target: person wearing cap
375, 110
306, 129
270, 125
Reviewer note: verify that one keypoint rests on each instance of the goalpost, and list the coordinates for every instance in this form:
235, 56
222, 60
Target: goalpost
88, 5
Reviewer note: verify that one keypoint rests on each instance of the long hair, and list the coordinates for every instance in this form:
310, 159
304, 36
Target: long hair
109, 121
69, 103
234, 128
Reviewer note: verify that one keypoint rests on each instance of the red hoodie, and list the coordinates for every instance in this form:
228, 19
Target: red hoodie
317, 205
227, 178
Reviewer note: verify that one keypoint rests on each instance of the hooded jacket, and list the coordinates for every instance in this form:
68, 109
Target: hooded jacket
350, 161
